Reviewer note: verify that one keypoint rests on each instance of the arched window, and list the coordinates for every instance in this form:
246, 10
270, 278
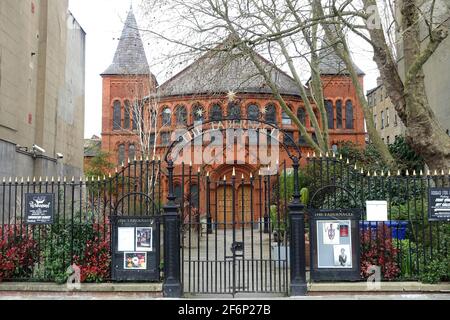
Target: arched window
285, 119
121, 154
126, 116
181, 115
194, 196
117, 115
234, 111
137, 113
301, 115
178, 194
349, 115
216, 113
131, 151
198, 113
167, 117
330, 113
253, 112
339, 114
271, 113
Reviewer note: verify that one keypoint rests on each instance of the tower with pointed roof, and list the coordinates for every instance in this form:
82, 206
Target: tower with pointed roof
128, 79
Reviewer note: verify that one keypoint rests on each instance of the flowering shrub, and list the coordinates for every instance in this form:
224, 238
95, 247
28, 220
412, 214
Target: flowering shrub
95, 261
18, 252
377, 249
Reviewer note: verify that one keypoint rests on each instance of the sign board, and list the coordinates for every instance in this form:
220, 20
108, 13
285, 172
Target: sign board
439, 204
377, 210
335, 245
39, 208
136, 253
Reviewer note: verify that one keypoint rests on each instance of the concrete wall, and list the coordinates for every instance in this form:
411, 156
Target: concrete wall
42, 77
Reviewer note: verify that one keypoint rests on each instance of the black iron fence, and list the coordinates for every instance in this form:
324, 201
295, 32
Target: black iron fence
408, 246
80, 233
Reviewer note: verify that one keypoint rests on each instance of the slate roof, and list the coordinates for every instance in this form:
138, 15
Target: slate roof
223, 71
130, 55
331, 64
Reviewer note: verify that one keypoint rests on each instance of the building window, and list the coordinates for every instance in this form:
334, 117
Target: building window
388, 140
339, 114
289, 138
253, 112
194, 196
387, 117
181, 115
349, 122
177, 192
121, 154
301, 115
216, 113
382, 119
234, 111
375, 121
165, 138
302, 140
151, 140
167, 117
136, 115
198, 113
330, 113
126, 116
395, 119
271, 114
131, 152
285, 119
117, 115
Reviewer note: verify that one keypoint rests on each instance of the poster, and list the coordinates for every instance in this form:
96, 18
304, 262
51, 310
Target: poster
125, 239
135, 261
343, 230
342, 256
144, 239
39, 208
439, 204
330, 233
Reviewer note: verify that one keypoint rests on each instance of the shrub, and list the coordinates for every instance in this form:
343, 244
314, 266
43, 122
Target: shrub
95, 262
377, 249
18, 252
90, 251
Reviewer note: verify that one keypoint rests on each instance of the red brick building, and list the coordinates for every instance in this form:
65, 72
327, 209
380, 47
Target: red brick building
205, 86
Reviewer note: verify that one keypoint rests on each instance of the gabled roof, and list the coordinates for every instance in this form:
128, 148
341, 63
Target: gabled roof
221, 71
331, 64
130, 58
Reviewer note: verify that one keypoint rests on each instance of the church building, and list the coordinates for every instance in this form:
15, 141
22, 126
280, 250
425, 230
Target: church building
201, 92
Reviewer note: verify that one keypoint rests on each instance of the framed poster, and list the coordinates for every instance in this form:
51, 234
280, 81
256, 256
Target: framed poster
39, 208
135, 245
330, 244
144, 241
335, 244
125, 239
135, 261
439, 204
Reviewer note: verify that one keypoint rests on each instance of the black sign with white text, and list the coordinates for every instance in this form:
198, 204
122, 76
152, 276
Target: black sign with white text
39, 208
439, 204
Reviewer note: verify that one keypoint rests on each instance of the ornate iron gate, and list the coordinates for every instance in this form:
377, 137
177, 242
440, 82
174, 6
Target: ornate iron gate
233, 233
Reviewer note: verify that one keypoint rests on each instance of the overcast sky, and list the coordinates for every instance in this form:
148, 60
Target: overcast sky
103, 21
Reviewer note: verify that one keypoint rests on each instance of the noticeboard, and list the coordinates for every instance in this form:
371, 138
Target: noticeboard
136, 251
439, 204
39, 208
334, 241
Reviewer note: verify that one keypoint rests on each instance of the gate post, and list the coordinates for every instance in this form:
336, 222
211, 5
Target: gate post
298, 285
172, 269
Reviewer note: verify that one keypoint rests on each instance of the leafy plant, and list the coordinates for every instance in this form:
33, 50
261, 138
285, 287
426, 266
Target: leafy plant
377, 249
18, 252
